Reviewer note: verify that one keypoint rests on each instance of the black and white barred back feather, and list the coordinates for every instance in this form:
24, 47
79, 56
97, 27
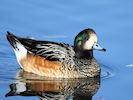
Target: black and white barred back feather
51, 51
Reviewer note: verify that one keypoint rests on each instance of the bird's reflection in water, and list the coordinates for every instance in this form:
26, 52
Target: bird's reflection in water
53, 89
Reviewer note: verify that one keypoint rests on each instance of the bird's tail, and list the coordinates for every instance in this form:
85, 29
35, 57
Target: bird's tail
18, 48
13, 40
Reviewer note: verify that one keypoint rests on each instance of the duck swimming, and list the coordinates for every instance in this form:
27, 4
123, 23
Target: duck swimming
58, 60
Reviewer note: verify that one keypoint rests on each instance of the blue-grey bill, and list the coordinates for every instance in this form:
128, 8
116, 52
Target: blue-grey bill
96, 46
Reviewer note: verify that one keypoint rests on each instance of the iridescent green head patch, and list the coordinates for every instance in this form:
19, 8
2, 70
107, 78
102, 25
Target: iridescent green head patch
81, 37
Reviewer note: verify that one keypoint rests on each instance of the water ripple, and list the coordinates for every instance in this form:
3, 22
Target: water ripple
106, 72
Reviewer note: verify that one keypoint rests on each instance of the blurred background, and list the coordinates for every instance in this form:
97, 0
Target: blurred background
60, 21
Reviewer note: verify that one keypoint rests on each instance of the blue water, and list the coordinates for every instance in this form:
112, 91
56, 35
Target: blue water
60, 21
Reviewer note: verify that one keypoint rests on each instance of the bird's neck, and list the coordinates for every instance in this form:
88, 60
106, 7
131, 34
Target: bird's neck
84, 54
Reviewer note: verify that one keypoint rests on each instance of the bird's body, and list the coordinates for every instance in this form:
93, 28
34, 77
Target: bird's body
51, 59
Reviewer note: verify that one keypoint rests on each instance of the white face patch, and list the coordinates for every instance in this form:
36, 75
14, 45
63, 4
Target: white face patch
89, 43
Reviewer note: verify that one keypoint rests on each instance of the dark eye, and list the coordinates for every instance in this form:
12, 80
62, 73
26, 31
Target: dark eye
96, 45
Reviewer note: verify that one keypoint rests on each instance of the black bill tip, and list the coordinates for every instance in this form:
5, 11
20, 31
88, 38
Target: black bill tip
104, 49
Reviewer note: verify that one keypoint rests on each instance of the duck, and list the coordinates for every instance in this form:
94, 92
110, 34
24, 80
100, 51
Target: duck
58, 60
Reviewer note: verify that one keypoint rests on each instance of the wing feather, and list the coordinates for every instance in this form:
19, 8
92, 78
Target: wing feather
50, 50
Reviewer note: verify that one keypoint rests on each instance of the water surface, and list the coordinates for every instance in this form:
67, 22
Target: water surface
60, 21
